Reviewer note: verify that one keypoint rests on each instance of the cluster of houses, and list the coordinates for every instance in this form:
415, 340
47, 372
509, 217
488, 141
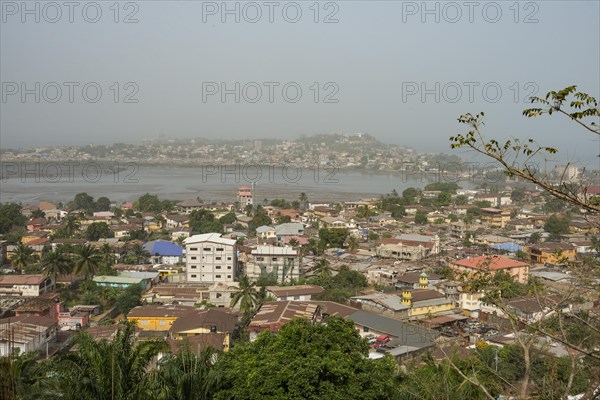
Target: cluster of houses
188, 281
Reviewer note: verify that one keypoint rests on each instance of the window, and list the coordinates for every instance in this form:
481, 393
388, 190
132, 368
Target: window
194, 266
145, 322
229, 267
296, 297
228, 258
162, 322
193, 257
274, 259
193, 249
229, 276
218, 276
207, 249
290, 260
260, 258
194, 276
365, 329
218, 267
217, 258
219, 249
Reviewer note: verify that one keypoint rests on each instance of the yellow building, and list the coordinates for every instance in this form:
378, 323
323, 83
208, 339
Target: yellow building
157, 318
551, 253
424, 301
207, 323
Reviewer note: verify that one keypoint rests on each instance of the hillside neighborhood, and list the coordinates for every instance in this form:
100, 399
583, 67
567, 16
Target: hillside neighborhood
411, 271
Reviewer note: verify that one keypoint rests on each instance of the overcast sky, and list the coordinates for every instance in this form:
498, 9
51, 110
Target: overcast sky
375, 61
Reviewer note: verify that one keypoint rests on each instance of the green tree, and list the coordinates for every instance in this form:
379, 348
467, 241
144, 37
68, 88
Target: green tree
129, 298
71, 224
245, 296
56, 263
97, 230
148, 203
306, 361
10, 217
83, 201
410, 194
108, 370
228, 218
23, 255
139, 254
87, 259
334, 237
556, 226
185, 375
103, 204
38, 213
421, 218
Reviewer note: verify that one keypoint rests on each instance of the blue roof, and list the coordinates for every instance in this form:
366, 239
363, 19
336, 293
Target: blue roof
163, 248
508, 246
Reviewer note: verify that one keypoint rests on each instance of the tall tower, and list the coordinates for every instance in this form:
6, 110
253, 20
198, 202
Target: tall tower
423, 281
407, 297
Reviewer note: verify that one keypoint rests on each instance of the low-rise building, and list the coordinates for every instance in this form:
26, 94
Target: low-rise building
492, 264
25, 285
551, 253
297, 293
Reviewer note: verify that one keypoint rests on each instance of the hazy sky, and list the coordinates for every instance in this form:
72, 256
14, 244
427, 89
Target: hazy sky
378, 56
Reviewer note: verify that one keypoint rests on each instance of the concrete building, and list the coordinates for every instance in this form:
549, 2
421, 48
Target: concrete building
281, 263
210, 258
244, 197
25, 285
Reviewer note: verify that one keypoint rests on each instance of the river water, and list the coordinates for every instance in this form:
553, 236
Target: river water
31, 183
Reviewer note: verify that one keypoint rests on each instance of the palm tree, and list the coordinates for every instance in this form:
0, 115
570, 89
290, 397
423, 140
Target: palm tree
108, 370
322, 268
87, 258
352, 244
303, 200
185, 375
139, 253
23, 256
71, 224
23, 377
54, 263
246, 295
107, 254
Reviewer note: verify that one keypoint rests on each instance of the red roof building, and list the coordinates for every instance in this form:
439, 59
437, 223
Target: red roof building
517, 269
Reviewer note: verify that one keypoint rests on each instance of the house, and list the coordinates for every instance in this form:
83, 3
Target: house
281, 263
157, 318
551, 253
416, 280
494, 217
388, 304
205, 323
422, 302
266, 232
177, 221
149, 278
470, 266
187, 206
298, 292
25, 333
210, 258
405, 339
408, 247
177, 233
119, 282
272, 315
35, 224
163, 252
25, 285
289, 229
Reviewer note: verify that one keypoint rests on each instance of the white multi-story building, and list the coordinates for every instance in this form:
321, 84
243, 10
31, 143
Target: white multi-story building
210, 258
282, 263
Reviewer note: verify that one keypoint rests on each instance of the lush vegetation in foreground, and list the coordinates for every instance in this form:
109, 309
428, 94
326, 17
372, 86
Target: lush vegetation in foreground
303, 361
